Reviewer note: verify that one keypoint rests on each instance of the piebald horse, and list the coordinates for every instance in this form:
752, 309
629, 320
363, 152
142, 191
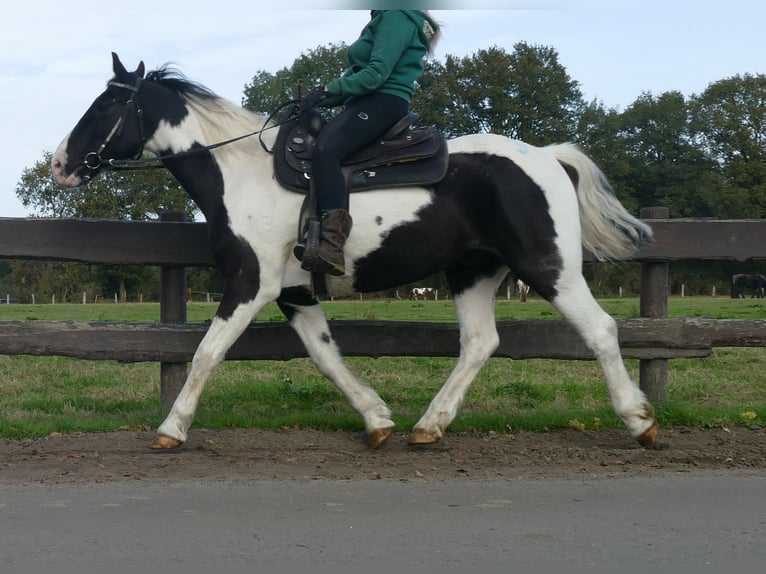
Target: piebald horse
423, 292
502, 205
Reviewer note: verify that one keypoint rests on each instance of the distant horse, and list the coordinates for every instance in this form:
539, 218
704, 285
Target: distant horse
423, 292
502, 205
755, 282
522, 289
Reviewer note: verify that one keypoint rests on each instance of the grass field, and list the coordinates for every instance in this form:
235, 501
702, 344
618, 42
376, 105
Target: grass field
41, 395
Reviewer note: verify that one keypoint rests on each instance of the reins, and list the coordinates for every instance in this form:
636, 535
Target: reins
93, 160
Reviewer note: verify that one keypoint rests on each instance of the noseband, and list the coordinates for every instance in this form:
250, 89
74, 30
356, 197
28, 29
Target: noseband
93, 160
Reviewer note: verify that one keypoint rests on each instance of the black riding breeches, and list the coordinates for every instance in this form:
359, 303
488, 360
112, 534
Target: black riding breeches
359, 124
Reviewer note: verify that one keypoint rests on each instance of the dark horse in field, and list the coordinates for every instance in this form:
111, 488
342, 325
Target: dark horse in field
741, 282
503, 205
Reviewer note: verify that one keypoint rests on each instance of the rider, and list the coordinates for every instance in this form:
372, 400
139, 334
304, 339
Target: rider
384, 64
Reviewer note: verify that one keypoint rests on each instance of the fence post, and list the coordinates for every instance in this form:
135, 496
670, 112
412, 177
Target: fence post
172, 310
653, 373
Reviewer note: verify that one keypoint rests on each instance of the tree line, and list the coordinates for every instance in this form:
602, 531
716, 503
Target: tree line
700, 156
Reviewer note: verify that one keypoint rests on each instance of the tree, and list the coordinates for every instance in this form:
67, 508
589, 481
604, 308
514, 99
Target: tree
525, 95
134, 195
666, 167
437, 99
598, 132
266, 92
729, 123
42, 280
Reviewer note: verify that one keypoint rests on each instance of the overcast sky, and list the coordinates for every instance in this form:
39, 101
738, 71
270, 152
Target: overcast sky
55, 56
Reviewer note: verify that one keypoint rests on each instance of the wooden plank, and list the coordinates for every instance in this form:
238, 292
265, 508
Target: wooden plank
136, 342
106, 241
718, 239
171, 243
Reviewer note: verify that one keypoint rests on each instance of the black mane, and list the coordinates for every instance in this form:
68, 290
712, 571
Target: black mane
173, 79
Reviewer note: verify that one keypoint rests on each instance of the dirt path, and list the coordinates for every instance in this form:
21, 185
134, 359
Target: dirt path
306, 454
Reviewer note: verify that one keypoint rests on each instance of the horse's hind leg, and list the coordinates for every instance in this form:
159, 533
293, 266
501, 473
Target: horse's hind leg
575, 302
475, 309
309, 322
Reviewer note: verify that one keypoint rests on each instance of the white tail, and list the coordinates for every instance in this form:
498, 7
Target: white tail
608, 230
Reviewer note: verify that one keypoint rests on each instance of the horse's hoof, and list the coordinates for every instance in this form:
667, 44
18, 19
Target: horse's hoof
164, 442
420, 436
649, 437
379, 436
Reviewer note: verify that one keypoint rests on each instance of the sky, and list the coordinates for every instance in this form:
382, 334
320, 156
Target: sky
55, 57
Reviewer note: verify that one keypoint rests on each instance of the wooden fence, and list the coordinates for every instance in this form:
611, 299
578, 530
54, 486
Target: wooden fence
174, 244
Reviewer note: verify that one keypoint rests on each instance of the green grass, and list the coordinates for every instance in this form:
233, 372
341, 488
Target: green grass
40, 395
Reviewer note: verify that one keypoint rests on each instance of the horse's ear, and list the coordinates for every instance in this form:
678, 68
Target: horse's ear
119, 69
140, 70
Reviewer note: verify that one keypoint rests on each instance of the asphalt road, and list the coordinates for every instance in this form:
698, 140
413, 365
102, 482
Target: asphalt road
695, 521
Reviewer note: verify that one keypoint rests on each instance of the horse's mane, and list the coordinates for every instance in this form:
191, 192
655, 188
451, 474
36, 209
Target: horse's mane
220, 118
173, 79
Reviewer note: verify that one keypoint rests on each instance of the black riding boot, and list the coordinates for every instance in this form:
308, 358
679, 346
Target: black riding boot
324, 254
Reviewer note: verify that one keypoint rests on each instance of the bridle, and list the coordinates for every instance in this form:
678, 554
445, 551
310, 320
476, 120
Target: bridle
93, 160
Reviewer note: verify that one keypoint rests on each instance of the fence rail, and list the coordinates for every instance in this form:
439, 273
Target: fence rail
186, 243
174, 244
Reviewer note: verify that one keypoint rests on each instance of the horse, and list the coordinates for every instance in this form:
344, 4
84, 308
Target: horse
755, 282
502, 205
423, 292
522, 289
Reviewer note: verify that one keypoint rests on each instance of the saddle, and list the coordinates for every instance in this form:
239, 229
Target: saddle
404, 156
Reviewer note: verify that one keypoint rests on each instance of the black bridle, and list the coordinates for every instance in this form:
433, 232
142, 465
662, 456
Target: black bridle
93, 160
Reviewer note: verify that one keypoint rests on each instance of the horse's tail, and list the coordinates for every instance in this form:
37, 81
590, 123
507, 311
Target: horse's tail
608, 230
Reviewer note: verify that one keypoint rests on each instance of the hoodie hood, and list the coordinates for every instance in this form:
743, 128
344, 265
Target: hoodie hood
427, 27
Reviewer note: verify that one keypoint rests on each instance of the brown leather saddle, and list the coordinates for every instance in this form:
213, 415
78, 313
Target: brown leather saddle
404, 156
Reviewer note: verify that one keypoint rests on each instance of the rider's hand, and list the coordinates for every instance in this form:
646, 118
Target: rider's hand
311, 99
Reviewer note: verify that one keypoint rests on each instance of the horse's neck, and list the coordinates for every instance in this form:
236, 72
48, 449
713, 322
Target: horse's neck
231, 169
209, 123
169, 139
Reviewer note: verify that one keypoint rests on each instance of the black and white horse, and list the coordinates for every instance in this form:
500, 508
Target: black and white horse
503, 205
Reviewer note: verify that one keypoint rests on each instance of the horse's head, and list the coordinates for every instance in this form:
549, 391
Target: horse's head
111, 128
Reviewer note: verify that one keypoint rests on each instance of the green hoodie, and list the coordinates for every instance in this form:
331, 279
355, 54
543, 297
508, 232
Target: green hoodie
387, 57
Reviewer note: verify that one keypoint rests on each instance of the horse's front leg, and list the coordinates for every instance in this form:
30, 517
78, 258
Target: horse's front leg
309, 322
223, 332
